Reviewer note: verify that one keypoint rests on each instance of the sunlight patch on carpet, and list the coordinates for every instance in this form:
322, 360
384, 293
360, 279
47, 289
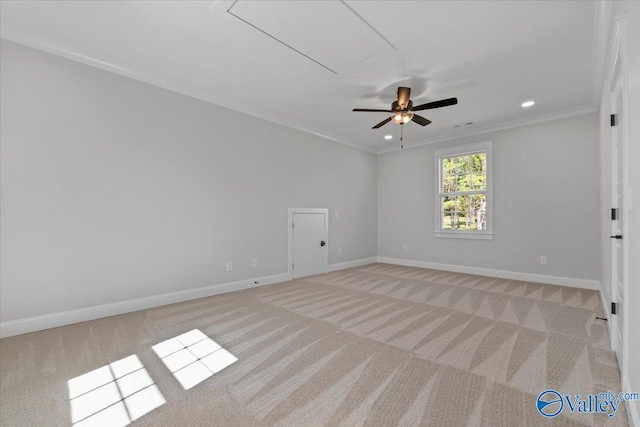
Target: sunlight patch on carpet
193, 357
113, 395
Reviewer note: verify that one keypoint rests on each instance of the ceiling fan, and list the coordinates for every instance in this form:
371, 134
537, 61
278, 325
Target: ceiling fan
402, 109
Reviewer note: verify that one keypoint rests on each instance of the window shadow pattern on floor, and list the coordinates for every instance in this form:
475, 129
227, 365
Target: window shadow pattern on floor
113, 395
193, 357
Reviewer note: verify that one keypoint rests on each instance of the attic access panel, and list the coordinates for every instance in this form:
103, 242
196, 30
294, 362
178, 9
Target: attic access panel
329, 33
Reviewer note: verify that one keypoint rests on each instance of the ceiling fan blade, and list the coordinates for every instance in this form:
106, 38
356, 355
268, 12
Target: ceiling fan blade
420, 120
404, 93
436, 104
368, 110
382, 123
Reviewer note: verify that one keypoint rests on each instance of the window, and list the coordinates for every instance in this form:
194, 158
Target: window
463, 191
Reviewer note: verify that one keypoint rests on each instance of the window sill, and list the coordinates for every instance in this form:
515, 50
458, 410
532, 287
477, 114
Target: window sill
483, 235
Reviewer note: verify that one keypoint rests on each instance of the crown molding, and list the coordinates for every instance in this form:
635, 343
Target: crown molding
585, 109
182, 90
601, 26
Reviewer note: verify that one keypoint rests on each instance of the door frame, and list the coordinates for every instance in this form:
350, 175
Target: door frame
290, 234
619, 62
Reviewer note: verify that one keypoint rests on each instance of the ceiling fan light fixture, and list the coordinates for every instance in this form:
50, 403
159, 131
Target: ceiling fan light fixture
403, 117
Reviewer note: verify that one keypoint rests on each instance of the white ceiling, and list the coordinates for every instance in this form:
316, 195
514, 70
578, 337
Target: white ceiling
491, 55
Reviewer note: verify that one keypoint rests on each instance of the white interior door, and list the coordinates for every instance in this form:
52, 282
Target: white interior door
309, 244
618, 255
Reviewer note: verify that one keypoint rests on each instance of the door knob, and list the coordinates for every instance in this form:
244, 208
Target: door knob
617, 236
322, 243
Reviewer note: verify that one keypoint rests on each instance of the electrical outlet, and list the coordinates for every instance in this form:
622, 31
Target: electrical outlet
543, 260
337, 214
339, 251
254, 262
229, 266
405, 248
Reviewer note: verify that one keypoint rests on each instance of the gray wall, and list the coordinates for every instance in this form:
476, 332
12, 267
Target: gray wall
113, 189
545, 202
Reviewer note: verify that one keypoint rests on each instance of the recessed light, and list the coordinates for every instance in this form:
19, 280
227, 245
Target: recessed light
528, 104
388, 136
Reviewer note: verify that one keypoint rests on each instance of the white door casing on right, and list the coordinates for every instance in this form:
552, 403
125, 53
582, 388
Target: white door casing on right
309, 242
619, 207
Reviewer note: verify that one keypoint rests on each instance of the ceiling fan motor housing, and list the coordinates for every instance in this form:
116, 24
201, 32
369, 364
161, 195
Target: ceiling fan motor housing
396, 107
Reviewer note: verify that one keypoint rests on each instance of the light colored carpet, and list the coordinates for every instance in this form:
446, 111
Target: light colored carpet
378, 345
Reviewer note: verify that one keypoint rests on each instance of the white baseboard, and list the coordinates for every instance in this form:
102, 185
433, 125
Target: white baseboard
54, 320
607, 314
633, 406
351, 264
503, 274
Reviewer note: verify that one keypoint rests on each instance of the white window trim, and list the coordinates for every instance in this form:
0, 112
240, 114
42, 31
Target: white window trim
461, 150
